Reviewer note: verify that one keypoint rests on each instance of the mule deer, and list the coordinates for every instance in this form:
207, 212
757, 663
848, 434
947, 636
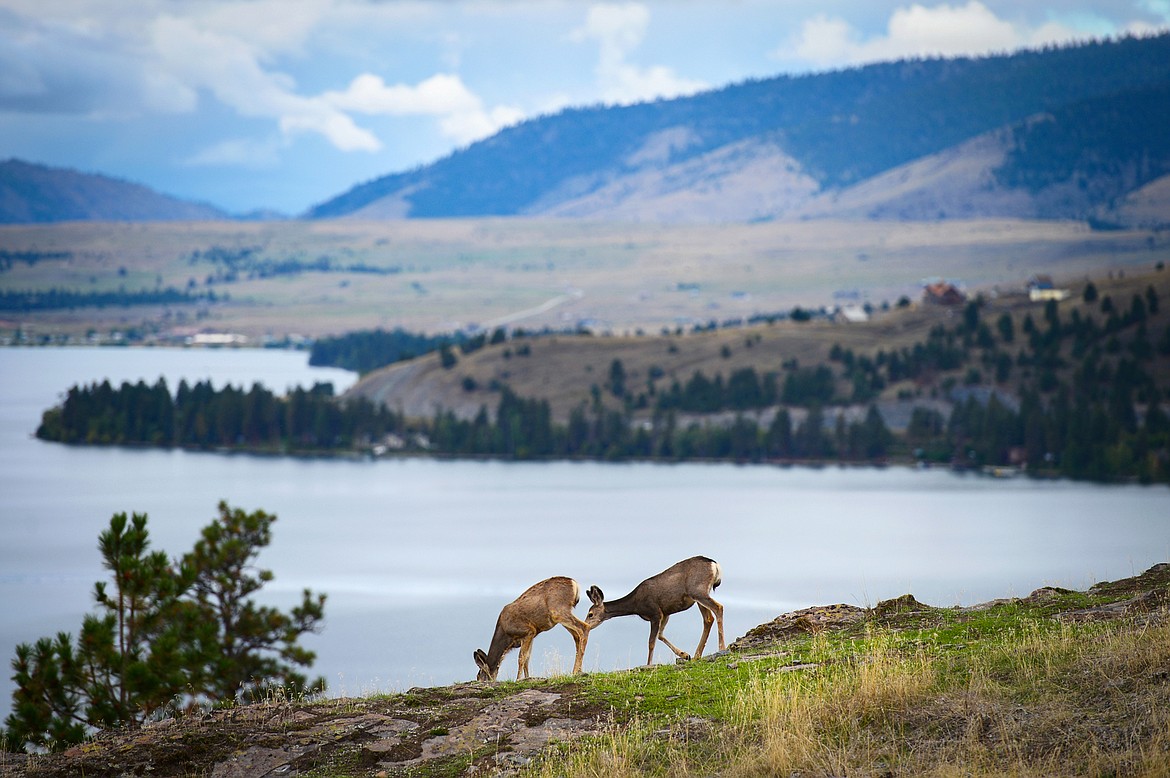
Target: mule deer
673, 590
540, 608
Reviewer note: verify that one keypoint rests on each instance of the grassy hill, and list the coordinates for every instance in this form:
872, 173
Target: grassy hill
789, 138
1055, 683
566, 370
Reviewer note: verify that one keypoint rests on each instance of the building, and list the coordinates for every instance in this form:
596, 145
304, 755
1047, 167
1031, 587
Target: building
943, 293
1041, 289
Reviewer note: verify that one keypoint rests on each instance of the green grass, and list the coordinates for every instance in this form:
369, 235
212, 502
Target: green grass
1007, 691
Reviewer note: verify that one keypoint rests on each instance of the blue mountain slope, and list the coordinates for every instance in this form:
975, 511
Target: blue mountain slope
842, 127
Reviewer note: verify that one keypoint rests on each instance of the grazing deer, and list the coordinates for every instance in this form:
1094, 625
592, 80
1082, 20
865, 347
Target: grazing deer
671, 591
540, 608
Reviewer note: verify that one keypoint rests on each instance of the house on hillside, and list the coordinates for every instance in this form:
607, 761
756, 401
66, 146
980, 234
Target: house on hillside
852, 314
943, 293
1041, 289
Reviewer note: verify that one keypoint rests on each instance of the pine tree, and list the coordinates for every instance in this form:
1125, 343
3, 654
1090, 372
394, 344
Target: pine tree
164, 633
256, 645
126, 663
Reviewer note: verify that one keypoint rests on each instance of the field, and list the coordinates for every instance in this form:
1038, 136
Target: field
273, 280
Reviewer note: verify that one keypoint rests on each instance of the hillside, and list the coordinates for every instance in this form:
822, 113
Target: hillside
36, 193
565, 370
1055, 683
1048, 133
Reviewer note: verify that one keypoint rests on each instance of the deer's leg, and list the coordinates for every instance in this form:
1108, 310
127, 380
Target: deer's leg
580, 632
716, 610
662, 636
525, 654
655, 631
708, 620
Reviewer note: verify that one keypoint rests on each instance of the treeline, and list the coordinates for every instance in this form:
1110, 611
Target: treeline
204, 417
58, 299
9, 258
1071, 437
1095, 144
250, 262
523, 429
366, 350
201, 416
371, 349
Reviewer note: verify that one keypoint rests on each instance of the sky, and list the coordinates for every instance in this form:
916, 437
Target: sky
283, 104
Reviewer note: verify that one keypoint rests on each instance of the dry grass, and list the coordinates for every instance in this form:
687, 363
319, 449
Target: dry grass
1067, 700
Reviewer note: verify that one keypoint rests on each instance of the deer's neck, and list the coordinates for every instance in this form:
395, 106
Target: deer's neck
501, 643
623, 606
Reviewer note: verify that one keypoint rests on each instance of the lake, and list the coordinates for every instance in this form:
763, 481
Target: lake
417, 556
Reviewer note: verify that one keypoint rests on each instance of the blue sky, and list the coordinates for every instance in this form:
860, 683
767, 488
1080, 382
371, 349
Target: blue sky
282, 104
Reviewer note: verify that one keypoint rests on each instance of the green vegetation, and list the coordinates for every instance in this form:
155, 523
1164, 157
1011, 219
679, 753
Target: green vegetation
200, 416
1057, 683
59, 299
1094, 145
30, 258
368, 350
249, 263
168, 634
1004, 693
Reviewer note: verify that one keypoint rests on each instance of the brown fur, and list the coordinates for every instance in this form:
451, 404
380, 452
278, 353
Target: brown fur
539, 609
674, 590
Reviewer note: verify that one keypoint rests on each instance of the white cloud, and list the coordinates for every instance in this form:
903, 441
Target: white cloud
229, 69
440, 94
917, 30
240, 152
99, 60
619, 30
461, 113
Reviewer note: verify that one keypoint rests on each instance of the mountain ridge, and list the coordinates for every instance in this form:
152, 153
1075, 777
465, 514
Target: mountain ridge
34, 193
1067, 132
837, 130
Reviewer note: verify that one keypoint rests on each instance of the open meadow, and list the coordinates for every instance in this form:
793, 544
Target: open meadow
313, 278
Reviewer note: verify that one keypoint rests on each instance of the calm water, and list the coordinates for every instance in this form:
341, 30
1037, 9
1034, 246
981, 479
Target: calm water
418, 556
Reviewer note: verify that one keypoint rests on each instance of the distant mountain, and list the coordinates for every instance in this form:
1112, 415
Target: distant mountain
1068, 132
37, 193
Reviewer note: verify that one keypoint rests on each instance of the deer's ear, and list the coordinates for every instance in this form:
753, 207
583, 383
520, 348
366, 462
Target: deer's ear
480, 658
595, 595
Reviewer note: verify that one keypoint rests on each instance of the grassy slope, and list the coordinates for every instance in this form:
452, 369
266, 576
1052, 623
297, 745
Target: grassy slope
1057, 683
1006, 690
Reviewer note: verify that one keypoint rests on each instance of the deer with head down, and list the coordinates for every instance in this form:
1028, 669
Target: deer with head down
539, 609
675, 589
